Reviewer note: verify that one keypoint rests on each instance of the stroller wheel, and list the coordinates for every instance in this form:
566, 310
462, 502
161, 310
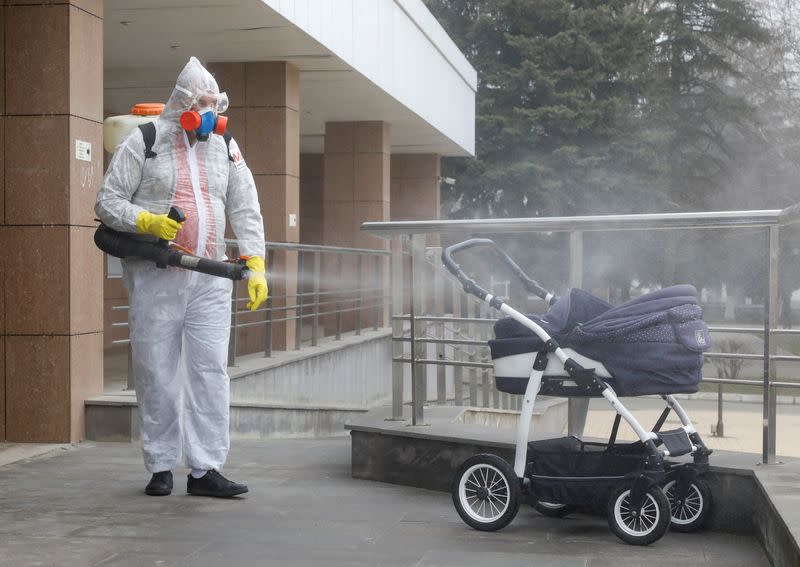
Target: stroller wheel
691, 514
551, 509
486, 492
639, 527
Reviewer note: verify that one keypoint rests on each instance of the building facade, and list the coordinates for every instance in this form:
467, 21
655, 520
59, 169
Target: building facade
343, 109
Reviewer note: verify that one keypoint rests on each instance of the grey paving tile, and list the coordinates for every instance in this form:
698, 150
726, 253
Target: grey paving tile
86, 506
499, 559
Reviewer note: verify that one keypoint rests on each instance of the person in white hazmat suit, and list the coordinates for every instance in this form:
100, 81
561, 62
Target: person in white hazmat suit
179, 320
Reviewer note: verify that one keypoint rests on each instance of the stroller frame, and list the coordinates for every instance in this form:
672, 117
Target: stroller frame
582, 381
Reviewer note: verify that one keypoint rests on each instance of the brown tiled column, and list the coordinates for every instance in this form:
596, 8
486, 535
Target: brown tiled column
52, 278
312, 167
2, 226
415, 191
311, 179
415, 186
355, 189
264, 120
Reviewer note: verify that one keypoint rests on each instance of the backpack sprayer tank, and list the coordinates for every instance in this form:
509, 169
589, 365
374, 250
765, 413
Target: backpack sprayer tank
115, 128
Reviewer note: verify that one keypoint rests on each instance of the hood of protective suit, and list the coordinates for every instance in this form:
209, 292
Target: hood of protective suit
194, 80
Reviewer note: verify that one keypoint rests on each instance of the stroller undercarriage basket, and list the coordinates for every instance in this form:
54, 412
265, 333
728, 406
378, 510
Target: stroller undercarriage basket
577, 473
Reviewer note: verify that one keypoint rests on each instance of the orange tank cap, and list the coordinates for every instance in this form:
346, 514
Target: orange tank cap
147, 109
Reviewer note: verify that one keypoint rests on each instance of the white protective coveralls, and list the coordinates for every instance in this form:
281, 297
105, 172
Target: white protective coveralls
178, 316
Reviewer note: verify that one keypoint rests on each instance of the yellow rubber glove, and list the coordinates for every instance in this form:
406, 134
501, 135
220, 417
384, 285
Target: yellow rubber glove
256, 282
160, 226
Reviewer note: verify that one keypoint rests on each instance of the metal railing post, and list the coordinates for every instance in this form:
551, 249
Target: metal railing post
487, 396
301, 292
398, 332
131, 375
770, 319
338, 298
316, 280
419, 389
232, 337
458, 373
577, 408
438, 306
489, 375
472, 372
359, 294
268, 303
377, 295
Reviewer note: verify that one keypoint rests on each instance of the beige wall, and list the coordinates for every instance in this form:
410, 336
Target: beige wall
51, 326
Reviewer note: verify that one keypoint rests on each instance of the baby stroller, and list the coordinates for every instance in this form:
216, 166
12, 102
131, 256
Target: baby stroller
583, 346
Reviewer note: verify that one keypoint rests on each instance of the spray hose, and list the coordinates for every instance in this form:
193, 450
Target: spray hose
126, 245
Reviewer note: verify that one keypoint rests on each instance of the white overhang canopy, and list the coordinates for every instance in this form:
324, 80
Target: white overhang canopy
359, 60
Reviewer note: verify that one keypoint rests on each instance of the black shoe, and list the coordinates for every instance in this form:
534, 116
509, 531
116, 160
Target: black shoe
214, 484
160, 484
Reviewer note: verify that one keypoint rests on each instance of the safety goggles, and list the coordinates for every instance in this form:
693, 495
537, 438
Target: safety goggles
218, 102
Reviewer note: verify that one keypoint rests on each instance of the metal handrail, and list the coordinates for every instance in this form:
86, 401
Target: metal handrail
334, 293
434, 319
657, 221
306, 316
284, 297
367, 296
409, 237
712, 355
790, 215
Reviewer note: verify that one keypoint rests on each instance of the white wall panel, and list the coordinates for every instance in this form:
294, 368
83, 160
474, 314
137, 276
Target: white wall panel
400, 47
366, 37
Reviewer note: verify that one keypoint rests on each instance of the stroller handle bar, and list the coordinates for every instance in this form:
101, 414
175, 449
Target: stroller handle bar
473, 288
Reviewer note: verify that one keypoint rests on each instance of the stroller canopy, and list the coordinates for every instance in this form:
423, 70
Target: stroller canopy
651, 345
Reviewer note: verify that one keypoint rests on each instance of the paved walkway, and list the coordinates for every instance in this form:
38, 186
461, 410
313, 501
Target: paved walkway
84, 506
742, 421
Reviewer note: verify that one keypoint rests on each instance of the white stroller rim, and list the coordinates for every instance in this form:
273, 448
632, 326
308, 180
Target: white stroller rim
498, 492
648, 518
693, 504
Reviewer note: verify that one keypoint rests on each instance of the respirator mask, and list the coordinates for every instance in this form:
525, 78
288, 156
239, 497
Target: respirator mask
203, 118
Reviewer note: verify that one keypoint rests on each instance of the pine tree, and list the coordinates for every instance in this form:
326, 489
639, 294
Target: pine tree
556, 106
690, 97
605, 106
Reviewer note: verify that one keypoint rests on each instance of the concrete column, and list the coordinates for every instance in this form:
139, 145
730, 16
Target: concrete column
2, 225
356, 189
312, 167
311, 178
356, 184
264, 120
415, 193
415, 187
51, 338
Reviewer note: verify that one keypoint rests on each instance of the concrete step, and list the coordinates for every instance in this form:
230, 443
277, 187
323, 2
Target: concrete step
114, 417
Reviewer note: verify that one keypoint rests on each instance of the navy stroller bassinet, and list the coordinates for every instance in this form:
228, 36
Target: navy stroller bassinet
650, 345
